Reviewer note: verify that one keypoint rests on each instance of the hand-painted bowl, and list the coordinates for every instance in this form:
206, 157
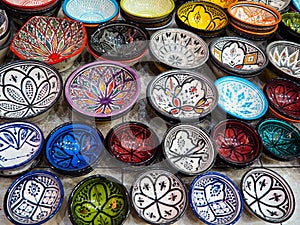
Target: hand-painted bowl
91, 12
237, 143
119, 41
215, 199
281, 139
188, 149
296, 4
30, 5
74, 148
5, 27
5, 47
33, 198
28, 89
283, 96
289, 26
222, 3
52, 40
178, 48
284, 57
280, 5
182, 95
102, 90
241, 98
203, 18
99, 200
238, 55
132, 143
268, 195
159, 197
20, 146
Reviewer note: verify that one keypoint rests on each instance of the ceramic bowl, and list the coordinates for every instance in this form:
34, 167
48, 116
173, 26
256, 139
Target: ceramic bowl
289, 27
283, 96
239, 56
281, 139
33, 198
74, 148
21, 144
30, 5
91, 11
268, 195
296, 4
182, 96
188, 149
119, 41
132, 143
280, 5
28, 90
222, 3
203, 18
102, 90
51, 40
99, 199
237, 143
215, 199
5, 47
5, 27
178, 48
159, 197
241, 98
254, 16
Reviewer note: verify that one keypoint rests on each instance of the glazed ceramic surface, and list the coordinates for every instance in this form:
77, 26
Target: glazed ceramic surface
279, 5
119, 41
24, 4
238, 55
99, 200
49, 39
281, 139
291, 25
182, 95
268, 195
102, 89
241, 98
236, 142
33, 198
28, 89
4, 26
188, 149
178, 48
223, 3
159, 197
296, 3
74, 148
215, 199
91, 11
133, 143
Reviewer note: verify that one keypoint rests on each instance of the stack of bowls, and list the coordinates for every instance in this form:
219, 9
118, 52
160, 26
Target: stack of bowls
253, 20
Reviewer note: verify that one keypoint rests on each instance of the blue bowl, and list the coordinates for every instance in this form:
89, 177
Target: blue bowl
74, 148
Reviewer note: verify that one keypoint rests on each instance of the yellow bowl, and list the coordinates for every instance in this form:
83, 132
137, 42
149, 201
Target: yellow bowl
222, 3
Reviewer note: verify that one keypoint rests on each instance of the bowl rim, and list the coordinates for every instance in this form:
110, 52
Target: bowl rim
105, 178
248, 83
252, 32
61, 59
284, 183
18, 6
215, 2
17, 63
65, 11
179, 31
101, 63
26, 176
229, 182
265, 7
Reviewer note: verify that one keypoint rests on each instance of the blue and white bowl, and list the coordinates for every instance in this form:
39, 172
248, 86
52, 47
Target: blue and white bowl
33, 198
20, 146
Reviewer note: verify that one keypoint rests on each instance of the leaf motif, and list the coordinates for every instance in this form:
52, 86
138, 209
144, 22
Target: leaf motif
85, 211
114, 206
98, 192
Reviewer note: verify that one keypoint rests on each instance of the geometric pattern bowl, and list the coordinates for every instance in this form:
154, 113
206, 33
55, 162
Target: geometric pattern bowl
28, 89
33, 198
280, 5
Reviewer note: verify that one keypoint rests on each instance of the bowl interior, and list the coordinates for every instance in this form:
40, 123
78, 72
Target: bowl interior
178, 48
222, 3
291, 22
279, 5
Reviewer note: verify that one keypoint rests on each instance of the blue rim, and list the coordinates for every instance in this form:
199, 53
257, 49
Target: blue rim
250, 84
223, 177
23, 177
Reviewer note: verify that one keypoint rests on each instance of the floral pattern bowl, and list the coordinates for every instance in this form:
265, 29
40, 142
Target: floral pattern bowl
33, 198
51, 40
164, 45
74, 148
28, 90
99, 200
241, 98
281, 139
182, 96
159, 197
102, 90
215, 199
237, 143
203, 18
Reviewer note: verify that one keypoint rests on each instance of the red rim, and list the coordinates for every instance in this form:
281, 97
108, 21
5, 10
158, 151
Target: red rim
34, 6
